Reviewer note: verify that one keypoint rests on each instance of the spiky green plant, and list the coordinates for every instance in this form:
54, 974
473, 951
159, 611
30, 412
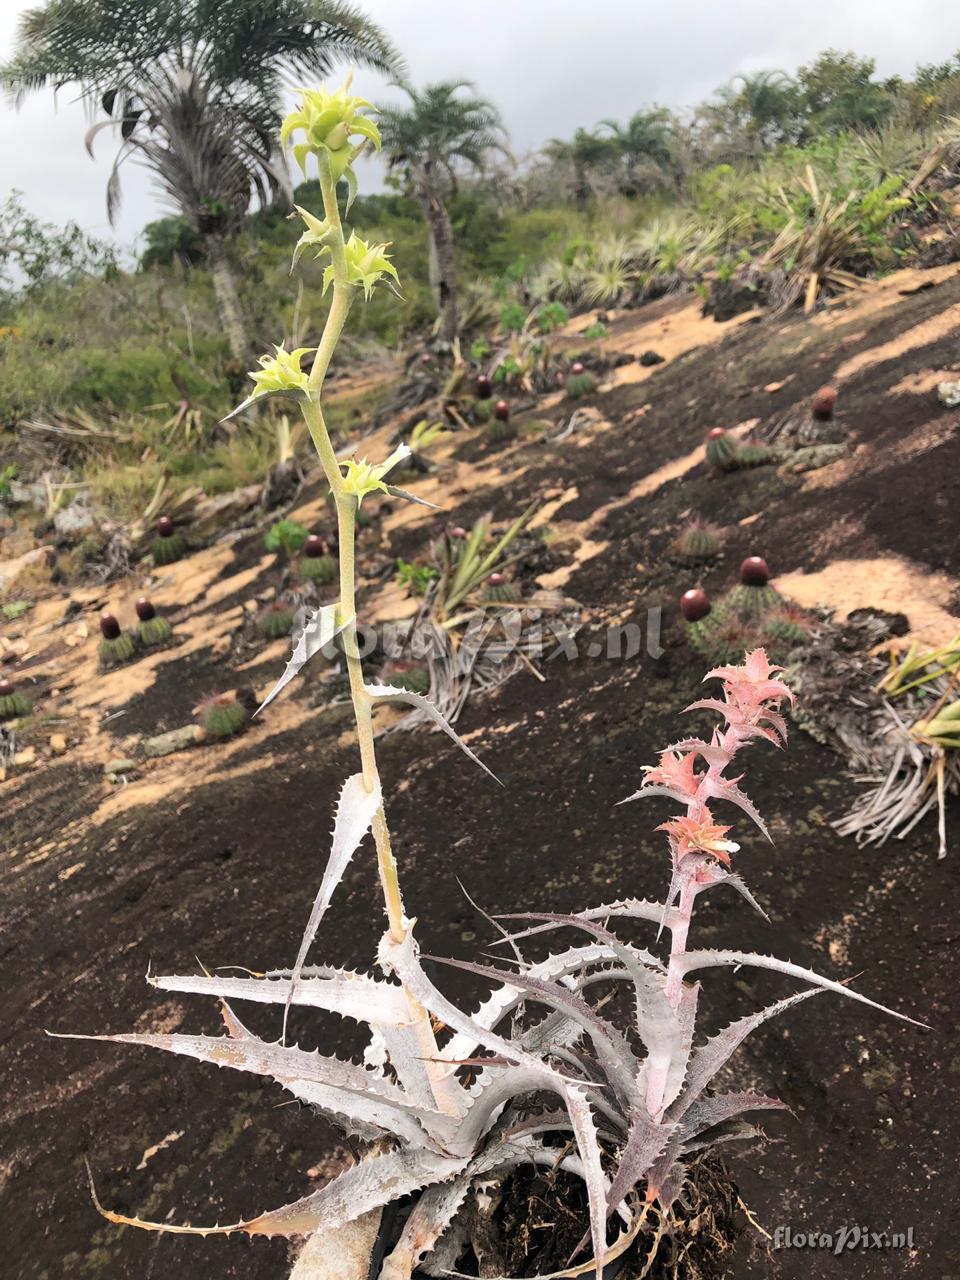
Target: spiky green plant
500, 590
501, 431
580, 383
316, 564
752, 602
415, 577
13, 705
785, 629
151, 630
407, 674
551, 316
699, 539
753, 453
116, 647
721, 449
222, 716
169, 545
721, 636
286, 537
275, 620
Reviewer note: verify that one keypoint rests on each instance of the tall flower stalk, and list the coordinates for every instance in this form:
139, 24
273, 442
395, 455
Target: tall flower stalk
327, 124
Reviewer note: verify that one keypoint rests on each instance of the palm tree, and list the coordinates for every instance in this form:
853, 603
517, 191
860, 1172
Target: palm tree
643, 141
194, 88
439, 131
768, 101
580, 154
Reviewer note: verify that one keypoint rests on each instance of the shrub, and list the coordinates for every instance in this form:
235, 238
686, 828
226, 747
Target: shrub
415, 577
286, 537
513, 317
551, 316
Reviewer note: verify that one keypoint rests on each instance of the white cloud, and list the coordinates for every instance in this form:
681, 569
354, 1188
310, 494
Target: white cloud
549, 66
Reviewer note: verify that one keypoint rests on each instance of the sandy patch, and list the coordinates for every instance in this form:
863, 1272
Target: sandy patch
888, 582
920, 335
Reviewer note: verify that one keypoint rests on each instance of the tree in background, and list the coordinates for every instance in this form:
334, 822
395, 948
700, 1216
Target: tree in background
838, 91
441, 130
34, 254
194, 89
644, 146
754, 112
585, 153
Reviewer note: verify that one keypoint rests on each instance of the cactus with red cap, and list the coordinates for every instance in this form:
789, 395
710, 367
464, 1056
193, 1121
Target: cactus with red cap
500, 590
222, 716
823, 404
695, 604
317, 564
152, 630
116, 646
13, 705
698, 540
275, 620
169, 545
501, 428
721, 449
754, 597
580, 381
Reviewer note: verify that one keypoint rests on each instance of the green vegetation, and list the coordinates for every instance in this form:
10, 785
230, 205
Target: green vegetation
778, 191
287, 536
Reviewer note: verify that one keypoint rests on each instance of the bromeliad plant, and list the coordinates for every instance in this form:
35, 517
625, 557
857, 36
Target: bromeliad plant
635, 1099
442, 1110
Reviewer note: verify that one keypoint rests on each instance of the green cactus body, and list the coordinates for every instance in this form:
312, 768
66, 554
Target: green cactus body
786, 631
502, 593
580, 384
722, 453
753, 455
318, 569
154, 631
722, 637
275, 621
114, 653
698, 542
500, 432
167, 550
753, 603
13, 706
414, 679
482, 410
222, 717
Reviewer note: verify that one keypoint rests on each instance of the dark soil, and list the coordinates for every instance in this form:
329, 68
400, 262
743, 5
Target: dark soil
227, 874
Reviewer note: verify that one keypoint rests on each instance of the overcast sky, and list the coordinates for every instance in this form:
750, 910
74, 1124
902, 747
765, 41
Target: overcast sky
550, 65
